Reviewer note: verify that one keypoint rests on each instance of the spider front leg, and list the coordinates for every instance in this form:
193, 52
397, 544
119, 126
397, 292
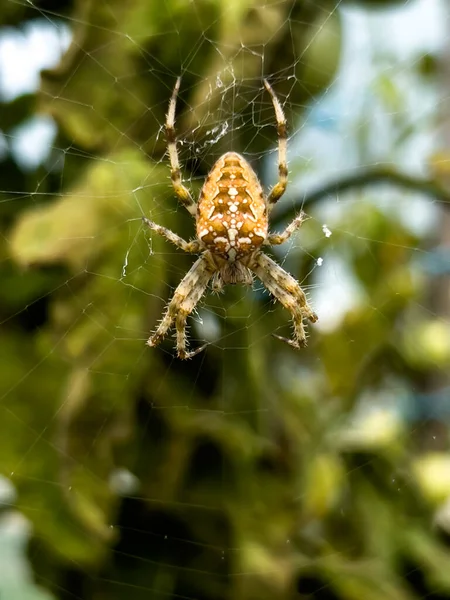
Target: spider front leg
288, 292
280, 187
192, 246
182, 193
185, 298
274, 239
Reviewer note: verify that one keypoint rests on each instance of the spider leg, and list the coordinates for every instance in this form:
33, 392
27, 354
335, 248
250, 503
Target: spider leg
188, 293
280, 187
275, 239
180, 324
288, 292
182, 193
192, 246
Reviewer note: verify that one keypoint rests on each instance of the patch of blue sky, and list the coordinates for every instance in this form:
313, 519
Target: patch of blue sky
24, 53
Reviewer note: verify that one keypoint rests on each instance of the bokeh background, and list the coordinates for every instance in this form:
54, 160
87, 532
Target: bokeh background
253, 471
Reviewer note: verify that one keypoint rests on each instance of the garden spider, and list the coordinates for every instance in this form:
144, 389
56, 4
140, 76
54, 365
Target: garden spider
232, 224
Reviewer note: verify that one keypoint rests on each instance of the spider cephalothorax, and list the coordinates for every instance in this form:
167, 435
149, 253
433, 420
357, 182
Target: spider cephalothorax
232, 225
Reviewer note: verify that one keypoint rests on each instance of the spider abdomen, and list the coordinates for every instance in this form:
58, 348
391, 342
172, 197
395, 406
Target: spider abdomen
232, 213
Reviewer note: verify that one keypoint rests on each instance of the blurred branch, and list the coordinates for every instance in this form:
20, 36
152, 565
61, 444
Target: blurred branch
370, 176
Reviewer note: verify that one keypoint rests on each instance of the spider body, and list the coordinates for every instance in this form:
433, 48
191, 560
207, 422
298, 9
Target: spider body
232, 226
232, 214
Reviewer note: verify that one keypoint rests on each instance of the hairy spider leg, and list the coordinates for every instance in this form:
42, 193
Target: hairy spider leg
185, 298
182, 193
288, 292
280, 187
274, 239
192, 247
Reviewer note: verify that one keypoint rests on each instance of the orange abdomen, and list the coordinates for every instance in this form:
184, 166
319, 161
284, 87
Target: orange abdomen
232, 213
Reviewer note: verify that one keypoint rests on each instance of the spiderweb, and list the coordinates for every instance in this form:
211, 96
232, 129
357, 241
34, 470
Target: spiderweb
119, 463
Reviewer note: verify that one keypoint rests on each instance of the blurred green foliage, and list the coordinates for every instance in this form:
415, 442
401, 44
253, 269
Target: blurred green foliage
249, 478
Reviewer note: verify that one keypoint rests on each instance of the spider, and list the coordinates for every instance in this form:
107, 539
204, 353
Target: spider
232, 225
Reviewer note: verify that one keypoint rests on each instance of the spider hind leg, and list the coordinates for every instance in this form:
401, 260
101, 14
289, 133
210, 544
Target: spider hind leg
289, 293
184, 300
296, 343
